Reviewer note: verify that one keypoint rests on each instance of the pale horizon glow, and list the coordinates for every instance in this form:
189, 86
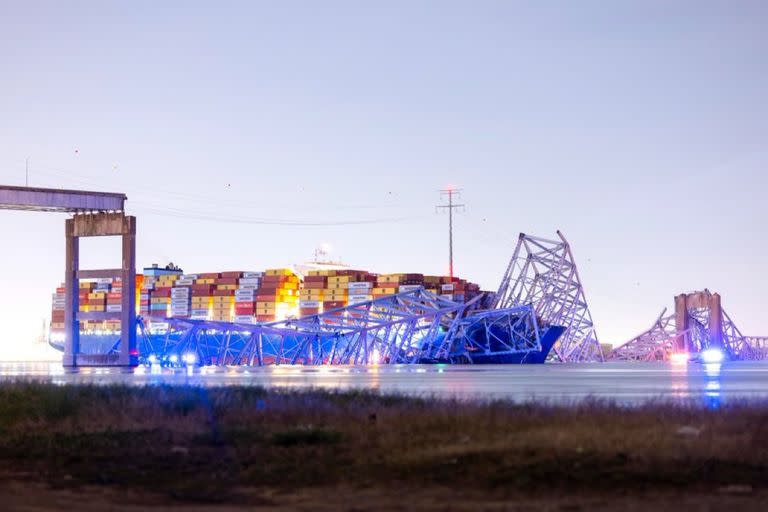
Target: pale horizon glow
245, 134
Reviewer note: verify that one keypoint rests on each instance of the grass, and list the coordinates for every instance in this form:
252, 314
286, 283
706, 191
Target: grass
207, 445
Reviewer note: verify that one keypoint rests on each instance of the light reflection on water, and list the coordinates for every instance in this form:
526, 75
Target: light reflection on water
625, 383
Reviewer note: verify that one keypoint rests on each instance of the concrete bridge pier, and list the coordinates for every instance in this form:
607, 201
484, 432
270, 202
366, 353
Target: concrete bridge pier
100, 224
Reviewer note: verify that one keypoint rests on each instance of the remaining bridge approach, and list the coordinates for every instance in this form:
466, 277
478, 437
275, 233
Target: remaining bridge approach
94, 214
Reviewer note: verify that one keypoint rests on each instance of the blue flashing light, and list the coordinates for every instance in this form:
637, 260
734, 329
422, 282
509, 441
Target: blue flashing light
712, 355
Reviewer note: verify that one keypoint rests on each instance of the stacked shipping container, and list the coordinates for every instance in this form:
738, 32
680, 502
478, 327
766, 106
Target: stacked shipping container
248, 297
278, 295
332, 289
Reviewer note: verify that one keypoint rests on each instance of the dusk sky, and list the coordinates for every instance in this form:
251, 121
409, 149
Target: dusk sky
245, 134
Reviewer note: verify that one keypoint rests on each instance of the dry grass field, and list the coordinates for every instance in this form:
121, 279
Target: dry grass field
162, 447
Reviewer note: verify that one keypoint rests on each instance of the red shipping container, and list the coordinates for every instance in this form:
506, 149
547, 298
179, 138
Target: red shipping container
61, 290
265, 318
202, 290
315, 279
223, 293
274, 279
309, 311
315, 285
245, 304
113, 295
333, 304
232, 274
160, 292
210, 275
227, 280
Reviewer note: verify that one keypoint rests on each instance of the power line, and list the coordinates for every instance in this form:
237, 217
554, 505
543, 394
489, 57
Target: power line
450, 192
192, 215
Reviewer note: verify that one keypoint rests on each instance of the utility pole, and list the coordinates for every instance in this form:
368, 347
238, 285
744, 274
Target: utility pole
450, 192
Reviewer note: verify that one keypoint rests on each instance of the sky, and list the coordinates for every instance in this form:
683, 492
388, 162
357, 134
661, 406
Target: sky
247, 133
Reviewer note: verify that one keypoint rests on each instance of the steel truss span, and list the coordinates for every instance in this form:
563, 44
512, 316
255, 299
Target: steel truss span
692, 330
407, 328
543, 273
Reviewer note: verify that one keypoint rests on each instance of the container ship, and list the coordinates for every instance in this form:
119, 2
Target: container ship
244, 297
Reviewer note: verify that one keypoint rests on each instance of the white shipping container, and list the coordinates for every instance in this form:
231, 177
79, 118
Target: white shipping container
58, 307
250, 280
249, 275
114, 308
104, 280
188, 277
244, 293
359, 298
184, 282
409, 287
309, 304
200, 312
244, 319
244, 299
248, 287
358, 285
446, 296
447, 287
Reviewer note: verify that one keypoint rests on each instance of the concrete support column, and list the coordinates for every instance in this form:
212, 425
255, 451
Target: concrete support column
72, 295
682, 324
128, 353
715, 322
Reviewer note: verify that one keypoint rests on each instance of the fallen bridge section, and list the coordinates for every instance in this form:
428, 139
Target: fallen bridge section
698, 323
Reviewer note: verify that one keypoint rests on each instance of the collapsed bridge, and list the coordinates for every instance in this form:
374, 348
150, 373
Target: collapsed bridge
698, 323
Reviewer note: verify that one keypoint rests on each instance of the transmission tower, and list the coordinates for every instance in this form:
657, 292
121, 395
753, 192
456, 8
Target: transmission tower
450, 193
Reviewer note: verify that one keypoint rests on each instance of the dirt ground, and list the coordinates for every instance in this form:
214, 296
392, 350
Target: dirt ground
35, 497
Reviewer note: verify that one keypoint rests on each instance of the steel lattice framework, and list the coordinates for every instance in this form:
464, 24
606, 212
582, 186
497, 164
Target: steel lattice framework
658, 342
543, 273
410, 327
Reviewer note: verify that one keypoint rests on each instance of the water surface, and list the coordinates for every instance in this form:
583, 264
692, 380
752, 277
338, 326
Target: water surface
626, 383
